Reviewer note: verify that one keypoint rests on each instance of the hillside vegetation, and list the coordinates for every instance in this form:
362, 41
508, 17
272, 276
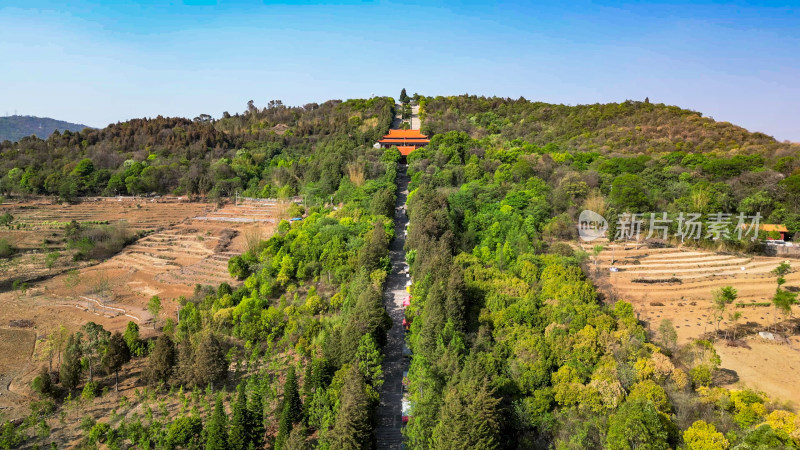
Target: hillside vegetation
265, 152
14, 128
512, 345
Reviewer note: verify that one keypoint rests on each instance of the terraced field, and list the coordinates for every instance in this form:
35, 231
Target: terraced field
687, 275
139, 214
186, 244
678, 284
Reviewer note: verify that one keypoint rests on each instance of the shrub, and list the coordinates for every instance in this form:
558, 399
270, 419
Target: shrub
6, 250
43, 384
701, 375
90, 391
99, 432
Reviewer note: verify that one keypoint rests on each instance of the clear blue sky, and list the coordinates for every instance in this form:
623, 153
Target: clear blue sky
97, 62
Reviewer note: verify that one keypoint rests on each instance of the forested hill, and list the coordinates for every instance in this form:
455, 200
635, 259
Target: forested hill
281, 150
263, 152
14, 128
629, 127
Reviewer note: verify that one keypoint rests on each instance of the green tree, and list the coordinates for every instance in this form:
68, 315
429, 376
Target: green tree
704, 436
636, 425
71, 369
297, 439
369, 359
353, 426
132, 339
284, 426
210, 364
50, 259
116, 354
58, 340
154, 307
469, 418
43, 384
255, 408
239, 436
668, 335
723, 297
94, 345
161, 364
404, 96
628, 193
185, 432
217, 427
291, 396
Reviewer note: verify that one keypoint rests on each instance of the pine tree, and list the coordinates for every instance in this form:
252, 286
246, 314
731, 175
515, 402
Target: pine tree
404, 96
297, 439
70, 370
308, 385
256, 413
353, 428
291, 396
210, 365
468, 419
217, 428
239, 438
116, 355
291, 408
369, 359
162, 361
284, 426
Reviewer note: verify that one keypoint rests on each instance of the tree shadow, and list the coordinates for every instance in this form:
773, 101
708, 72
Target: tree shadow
725, 377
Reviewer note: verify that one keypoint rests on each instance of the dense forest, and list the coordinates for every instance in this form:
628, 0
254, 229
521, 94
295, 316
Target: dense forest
513, 346
14, 128
264, 152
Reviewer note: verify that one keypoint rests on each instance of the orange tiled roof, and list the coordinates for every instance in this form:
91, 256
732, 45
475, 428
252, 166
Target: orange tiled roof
405, 149
404, 141
397, 133
773, 227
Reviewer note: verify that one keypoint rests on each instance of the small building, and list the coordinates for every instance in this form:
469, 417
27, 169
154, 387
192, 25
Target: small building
405, 140
777, 228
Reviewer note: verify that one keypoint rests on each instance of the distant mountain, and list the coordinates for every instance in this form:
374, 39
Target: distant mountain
14, 128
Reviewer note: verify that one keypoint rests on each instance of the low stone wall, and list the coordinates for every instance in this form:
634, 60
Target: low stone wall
783, 251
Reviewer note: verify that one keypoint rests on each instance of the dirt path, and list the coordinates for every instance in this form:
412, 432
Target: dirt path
390, 421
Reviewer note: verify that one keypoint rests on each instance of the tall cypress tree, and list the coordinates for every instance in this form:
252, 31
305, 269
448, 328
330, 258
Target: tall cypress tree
291, 408
210, 365
217, 428
291, 396
284, 426
256, 416
71, 366
239, 438
353, 428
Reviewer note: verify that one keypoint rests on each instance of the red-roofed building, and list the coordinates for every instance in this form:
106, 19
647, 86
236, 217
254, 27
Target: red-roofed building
405, 140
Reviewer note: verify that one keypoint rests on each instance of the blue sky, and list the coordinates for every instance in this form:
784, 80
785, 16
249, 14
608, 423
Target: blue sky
97, 62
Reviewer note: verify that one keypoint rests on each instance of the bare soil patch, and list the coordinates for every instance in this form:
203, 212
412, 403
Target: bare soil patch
188, 244
687, 302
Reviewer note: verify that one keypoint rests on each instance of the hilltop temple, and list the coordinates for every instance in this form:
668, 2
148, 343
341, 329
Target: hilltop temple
406, 140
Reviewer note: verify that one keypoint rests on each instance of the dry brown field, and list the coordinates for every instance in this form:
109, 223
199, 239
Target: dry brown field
186, 244
683, 294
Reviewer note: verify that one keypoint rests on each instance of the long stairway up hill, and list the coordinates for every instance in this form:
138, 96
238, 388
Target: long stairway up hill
390, 420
